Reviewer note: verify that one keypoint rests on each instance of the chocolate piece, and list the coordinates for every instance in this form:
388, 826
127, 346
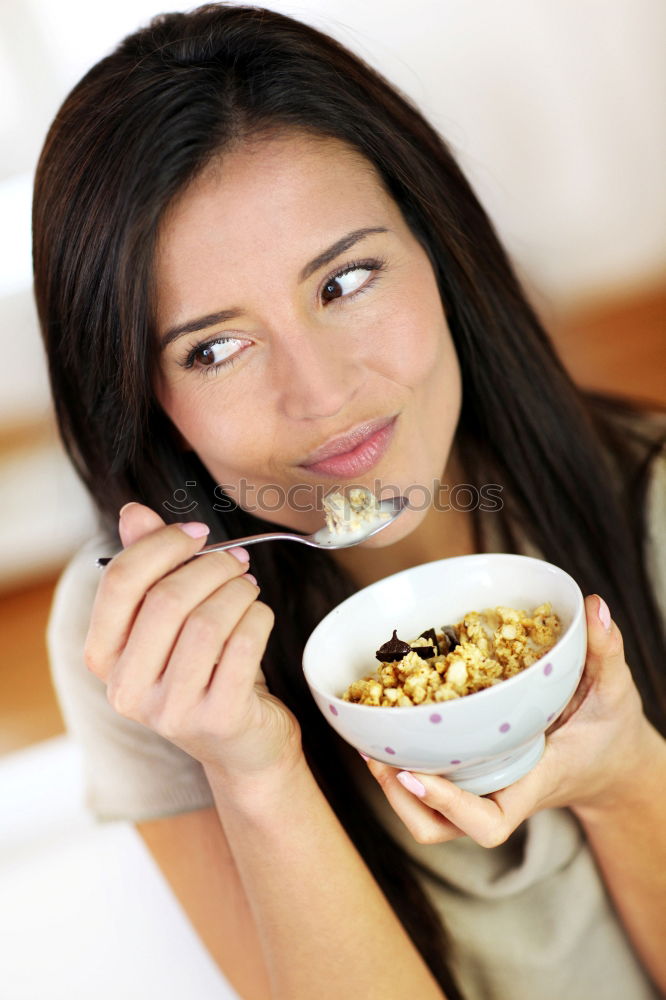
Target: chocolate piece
432, 635
393, 650
450, 637
425, 652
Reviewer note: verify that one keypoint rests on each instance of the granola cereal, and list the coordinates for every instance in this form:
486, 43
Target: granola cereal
355, 510
484, 648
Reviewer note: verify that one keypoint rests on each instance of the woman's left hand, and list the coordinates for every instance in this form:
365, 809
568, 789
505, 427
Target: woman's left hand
592, 752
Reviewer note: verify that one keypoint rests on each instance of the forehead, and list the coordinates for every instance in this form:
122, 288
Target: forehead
281, 168
272, 194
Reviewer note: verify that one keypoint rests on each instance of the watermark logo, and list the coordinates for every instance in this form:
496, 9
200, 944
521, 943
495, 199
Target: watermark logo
179, 502
269, 498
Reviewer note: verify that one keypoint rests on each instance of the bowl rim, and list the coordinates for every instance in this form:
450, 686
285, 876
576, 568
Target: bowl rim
433, 706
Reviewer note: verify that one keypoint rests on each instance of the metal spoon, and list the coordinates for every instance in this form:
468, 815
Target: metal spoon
320, 539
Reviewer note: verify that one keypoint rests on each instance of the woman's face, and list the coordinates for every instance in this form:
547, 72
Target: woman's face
287, 342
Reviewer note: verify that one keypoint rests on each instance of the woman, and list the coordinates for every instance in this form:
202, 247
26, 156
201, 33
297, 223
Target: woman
232, 193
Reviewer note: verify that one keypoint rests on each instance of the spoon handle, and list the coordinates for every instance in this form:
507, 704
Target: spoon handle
268, 536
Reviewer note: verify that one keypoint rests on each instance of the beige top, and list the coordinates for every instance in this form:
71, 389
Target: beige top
528, 920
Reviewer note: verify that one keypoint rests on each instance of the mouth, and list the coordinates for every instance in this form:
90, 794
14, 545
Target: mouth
355, 452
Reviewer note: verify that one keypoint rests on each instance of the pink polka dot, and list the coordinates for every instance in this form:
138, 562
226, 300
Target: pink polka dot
389, 749
333, 709
454, 762
505, 727
435, 717
548, 669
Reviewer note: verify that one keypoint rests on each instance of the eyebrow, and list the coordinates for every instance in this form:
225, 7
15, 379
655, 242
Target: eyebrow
212, 319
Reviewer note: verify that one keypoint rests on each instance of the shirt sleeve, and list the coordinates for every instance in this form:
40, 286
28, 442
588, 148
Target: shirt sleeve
130, 772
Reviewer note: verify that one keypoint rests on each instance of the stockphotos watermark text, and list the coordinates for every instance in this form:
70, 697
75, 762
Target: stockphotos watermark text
271, 497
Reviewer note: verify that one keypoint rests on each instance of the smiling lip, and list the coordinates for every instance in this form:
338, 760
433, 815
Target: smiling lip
354, 453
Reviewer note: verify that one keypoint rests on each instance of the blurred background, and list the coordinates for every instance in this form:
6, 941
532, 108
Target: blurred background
556, 112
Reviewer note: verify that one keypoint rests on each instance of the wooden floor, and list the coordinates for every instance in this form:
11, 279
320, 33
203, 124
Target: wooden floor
28, 708
619, 347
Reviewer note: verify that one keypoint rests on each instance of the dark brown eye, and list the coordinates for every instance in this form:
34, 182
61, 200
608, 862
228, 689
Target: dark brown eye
333, 288
346, 283
213, 355
205, 356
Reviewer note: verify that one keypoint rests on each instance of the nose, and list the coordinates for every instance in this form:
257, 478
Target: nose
318, 374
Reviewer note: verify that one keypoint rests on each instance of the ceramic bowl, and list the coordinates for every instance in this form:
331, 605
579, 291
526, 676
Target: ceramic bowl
482, 741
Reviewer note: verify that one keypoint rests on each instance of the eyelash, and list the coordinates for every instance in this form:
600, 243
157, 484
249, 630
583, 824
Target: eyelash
374, 265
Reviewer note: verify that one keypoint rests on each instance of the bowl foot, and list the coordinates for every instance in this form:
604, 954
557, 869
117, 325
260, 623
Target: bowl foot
481, 779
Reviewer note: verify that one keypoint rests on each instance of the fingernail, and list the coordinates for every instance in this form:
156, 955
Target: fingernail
195, 529
411, 783
604, 614
251, 578
364, 755
241, 554
125, 506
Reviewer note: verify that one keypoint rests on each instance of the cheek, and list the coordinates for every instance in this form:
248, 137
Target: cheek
415, 347
200, 410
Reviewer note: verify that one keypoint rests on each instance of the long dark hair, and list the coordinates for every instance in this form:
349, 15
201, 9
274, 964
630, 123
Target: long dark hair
135, 130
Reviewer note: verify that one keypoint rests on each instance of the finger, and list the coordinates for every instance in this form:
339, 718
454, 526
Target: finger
426, 825
164, 611
480, 817
529, 794
605, 648
136, 520
491, 819
125, 582
178, 598
203, 638
605, 664
231, 689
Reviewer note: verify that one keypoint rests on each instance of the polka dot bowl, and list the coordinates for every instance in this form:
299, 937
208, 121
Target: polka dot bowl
482, 741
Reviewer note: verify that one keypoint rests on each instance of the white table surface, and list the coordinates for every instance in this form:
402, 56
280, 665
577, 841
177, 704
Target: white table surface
85, 911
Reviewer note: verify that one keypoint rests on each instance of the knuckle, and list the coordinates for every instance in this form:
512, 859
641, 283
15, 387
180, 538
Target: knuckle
493, 837
384, 778
202, 625
121, 700
424, 833
116, 576
616, 643
264, 614
163, 599
242, 644
168, 723
172, 720
90, 657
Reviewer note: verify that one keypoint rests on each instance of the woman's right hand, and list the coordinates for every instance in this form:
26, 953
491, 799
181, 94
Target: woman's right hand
179, 645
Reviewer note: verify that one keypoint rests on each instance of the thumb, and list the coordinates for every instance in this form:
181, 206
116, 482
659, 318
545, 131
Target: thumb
137, 520
605, 668
604, 640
